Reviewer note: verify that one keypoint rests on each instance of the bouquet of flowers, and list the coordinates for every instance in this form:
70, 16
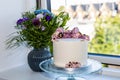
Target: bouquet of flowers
36, 28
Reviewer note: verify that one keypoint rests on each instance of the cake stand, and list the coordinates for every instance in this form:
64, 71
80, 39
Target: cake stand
71, 73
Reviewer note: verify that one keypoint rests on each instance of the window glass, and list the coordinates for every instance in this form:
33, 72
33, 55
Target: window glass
97, 18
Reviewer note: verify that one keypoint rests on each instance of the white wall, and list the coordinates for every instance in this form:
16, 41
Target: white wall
10, 11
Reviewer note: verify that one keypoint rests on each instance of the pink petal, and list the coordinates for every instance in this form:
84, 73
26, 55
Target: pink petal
75, 30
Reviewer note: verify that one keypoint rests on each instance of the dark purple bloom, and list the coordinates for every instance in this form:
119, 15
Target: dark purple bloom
20, 21
36, 22
48, 17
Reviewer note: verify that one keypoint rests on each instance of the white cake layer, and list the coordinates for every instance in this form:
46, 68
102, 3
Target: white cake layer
66, 50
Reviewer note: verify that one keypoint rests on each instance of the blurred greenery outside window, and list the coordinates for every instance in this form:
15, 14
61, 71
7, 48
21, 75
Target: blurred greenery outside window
106, 36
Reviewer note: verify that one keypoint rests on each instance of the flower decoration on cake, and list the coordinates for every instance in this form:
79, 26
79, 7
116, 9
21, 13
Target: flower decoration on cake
73, 65
60, 33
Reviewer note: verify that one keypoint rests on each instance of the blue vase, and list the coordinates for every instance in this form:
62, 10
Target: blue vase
36, 56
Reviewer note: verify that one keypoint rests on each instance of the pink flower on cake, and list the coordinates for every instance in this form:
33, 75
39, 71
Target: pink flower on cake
74, 33
60, 29
68, 31
75, 30
58, 33
54, 36
87, 37
73, 65
67, 34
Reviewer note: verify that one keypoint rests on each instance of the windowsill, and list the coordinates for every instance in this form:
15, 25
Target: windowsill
23, 72
107, 59
111, 72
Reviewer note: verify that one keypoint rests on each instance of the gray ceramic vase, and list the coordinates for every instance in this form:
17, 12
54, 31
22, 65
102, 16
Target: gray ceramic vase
36, 56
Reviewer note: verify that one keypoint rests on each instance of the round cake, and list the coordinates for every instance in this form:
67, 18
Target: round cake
70, 51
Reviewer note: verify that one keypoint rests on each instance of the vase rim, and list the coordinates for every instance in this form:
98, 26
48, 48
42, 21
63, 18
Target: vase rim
41, 48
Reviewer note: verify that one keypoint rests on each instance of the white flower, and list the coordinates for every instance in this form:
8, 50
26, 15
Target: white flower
64, 13
59, 21
43, 28
39, 16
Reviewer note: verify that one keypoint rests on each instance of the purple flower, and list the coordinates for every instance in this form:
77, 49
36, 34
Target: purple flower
36, 22
20, 21
48, 17
25, 19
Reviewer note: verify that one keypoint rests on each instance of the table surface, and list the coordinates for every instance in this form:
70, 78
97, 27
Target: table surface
23, 72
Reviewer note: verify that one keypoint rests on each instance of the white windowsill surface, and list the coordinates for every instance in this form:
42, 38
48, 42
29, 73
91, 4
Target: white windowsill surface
106, 59
23, 72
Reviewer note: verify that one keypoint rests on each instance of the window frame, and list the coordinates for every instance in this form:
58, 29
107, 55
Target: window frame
38, 4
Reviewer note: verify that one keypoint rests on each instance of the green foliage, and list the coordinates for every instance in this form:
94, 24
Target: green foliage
61, 8
107, 38
36, 36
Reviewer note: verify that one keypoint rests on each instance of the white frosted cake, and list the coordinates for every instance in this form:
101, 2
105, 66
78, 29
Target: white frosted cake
69, 52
